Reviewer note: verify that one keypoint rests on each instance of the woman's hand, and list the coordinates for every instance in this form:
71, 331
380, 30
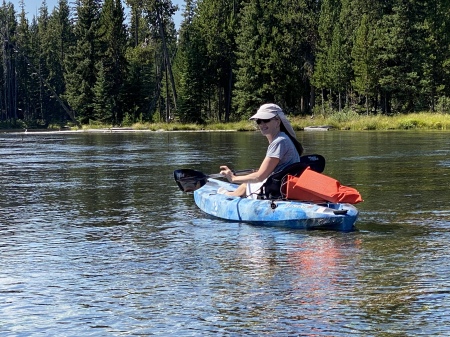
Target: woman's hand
226, 172
266, 168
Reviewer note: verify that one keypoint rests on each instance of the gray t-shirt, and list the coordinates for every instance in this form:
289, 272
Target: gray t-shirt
284, 149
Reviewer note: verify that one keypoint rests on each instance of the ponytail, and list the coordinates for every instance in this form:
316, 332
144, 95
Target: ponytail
294, 140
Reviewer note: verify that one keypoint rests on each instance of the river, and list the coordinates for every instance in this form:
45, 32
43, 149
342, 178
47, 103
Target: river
97, 240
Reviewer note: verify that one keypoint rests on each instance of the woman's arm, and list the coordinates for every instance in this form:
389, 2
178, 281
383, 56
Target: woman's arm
266, 168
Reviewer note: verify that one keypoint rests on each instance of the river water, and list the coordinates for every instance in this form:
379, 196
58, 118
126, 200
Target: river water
97, 240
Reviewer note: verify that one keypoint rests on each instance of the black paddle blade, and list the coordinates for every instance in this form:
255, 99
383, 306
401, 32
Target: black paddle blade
189, 180
315, 161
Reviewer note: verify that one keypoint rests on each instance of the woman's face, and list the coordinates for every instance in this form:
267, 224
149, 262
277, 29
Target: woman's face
269, 127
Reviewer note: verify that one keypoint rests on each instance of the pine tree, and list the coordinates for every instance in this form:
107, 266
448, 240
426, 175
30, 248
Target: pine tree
275, 45
217, 23
444, 8
59, 38
251, 55
8, 80
191, 65
364, 61
140, 57
297, 42
137, 29
103, 102
258, 57
337, 64
81, 61
435, 34
140, 82
28, 71
113, 39
158, 15
42, 48
329, 14
397, 45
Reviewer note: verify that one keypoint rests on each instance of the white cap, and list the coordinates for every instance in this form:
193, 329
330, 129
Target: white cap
268, 111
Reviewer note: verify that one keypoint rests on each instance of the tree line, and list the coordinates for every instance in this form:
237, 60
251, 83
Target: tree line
88, 62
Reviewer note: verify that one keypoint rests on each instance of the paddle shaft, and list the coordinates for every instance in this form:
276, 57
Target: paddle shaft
236, 173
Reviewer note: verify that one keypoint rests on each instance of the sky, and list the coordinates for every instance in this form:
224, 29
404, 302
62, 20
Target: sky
32, 8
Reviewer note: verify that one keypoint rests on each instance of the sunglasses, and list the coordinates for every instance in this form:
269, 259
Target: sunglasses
265, 121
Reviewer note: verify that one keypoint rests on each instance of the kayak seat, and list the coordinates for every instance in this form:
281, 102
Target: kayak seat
271, 189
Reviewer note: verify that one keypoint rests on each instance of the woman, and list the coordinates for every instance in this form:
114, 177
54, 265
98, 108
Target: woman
284, 149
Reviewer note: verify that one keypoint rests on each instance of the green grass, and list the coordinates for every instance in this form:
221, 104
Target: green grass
236, 126
418, 121
339, 120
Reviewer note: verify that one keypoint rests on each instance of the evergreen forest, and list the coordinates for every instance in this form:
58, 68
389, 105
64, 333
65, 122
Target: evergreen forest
88, 62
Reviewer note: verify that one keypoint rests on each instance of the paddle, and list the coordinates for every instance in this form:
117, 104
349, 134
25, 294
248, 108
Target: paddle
189, 180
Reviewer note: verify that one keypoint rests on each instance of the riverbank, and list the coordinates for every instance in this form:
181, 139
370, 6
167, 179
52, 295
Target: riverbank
336, 121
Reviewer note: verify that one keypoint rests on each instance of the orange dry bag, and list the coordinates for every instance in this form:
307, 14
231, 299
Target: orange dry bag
313, 186
294, 192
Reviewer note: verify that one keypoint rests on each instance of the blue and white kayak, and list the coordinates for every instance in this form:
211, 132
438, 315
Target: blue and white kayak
280, 213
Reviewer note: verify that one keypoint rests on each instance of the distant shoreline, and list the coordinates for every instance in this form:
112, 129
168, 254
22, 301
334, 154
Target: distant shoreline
102, 130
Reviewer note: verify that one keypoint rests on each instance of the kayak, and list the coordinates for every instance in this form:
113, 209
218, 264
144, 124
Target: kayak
272, 210
279, 213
